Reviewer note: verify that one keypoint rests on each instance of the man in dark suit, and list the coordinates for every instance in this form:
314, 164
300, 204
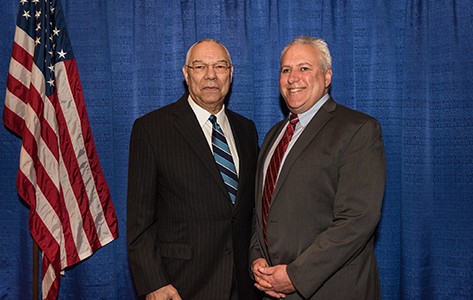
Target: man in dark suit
188, 229
319, 197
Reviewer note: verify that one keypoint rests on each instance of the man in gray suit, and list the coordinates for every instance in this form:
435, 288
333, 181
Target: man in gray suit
188, 228
319, 188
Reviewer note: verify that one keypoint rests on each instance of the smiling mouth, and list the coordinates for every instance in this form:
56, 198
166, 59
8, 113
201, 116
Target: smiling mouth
295, 90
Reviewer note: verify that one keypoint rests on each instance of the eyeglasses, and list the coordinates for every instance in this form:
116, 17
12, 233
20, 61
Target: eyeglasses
219, 68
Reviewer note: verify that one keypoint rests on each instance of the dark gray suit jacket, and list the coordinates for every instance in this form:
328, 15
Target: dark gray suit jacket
326, 206
182, 228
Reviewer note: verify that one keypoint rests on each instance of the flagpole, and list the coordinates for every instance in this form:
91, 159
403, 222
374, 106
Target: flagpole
35, 271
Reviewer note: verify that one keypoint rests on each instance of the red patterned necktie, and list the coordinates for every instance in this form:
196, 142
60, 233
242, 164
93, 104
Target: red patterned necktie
274, 166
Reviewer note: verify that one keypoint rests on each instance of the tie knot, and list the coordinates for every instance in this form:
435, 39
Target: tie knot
293, 119
213, 119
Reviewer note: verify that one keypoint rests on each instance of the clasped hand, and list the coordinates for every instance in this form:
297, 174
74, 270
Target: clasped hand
167, 292
274, 280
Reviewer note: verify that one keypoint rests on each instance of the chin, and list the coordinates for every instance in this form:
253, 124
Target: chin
292, 105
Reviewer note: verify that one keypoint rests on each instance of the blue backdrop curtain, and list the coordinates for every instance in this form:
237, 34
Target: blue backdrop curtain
409, 63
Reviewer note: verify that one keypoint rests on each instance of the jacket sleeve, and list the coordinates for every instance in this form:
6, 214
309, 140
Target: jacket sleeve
143, 254
356, 211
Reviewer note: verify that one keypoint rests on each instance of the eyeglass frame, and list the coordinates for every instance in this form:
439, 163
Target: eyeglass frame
206, 68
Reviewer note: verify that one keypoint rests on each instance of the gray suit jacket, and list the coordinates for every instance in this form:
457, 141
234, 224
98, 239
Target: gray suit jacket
326, 206
182, 228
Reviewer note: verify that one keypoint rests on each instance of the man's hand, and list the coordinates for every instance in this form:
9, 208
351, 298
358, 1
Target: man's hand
277, 278
167, 292
258, 267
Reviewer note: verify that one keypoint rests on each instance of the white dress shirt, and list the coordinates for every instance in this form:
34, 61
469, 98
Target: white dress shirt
222, 120
304, 119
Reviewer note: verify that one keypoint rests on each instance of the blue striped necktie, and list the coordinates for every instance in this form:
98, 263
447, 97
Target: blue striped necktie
224, 159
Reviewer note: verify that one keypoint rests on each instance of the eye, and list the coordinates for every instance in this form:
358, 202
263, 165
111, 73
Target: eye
285, 70
305, 69
199, 67
220, 67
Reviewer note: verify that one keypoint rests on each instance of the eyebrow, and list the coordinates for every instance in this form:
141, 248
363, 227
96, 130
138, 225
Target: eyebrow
301, 64
201, 61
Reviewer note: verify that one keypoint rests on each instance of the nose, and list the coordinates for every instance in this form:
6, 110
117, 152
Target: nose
292, 77
210, 73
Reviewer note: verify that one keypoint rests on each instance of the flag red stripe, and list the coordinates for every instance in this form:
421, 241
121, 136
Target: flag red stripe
27, 191
34, 99
100, 182
46, 185
51, 192
17, 88
51, 293
73, 169
41, 234
47, 133
72, 255
22, 56
13, 121
60, 178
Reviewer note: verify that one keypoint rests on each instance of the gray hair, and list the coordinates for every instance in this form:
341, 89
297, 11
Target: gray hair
326, 61
207, 40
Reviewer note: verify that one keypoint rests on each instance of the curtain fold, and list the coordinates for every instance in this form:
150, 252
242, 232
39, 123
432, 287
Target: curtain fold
436, 162
408, 63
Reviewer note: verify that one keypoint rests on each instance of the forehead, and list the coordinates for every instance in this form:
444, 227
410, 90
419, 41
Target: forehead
208, 52
300, 54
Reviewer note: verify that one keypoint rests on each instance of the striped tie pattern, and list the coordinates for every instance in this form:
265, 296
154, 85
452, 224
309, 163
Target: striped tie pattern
224, 159
274, 166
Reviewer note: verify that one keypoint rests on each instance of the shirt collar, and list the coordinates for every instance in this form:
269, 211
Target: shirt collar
203, 115
306, 117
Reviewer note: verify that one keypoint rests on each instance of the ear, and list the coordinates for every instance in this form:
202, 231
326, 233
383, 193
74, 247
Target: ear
186, 75
328, 78
231, 74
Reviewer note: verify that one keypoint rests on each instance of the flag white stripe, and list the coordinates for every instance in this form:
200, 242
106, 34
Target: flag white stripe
66, 100
14, 104
48, 279
80, 237
32, 122
20, 73
74, 128
43, 208
24, 40
59, 174
50, 182
51, 166
49, 113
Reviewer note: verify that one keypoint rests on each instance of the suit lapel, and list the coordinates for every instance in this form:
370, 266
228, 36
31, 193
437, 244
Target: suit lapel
187, 125
317, 123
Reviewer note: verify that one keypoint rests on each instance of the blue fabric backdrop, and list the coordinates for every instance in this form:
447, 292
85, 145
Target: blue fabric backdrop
408, 63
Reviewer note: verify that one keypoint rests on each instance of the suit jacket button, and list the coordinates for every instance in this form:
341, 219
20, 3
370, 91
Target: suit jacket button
228, 251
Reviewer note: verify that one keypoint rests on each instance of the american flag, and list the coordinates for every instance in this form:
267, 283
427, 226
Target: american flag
59, 177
